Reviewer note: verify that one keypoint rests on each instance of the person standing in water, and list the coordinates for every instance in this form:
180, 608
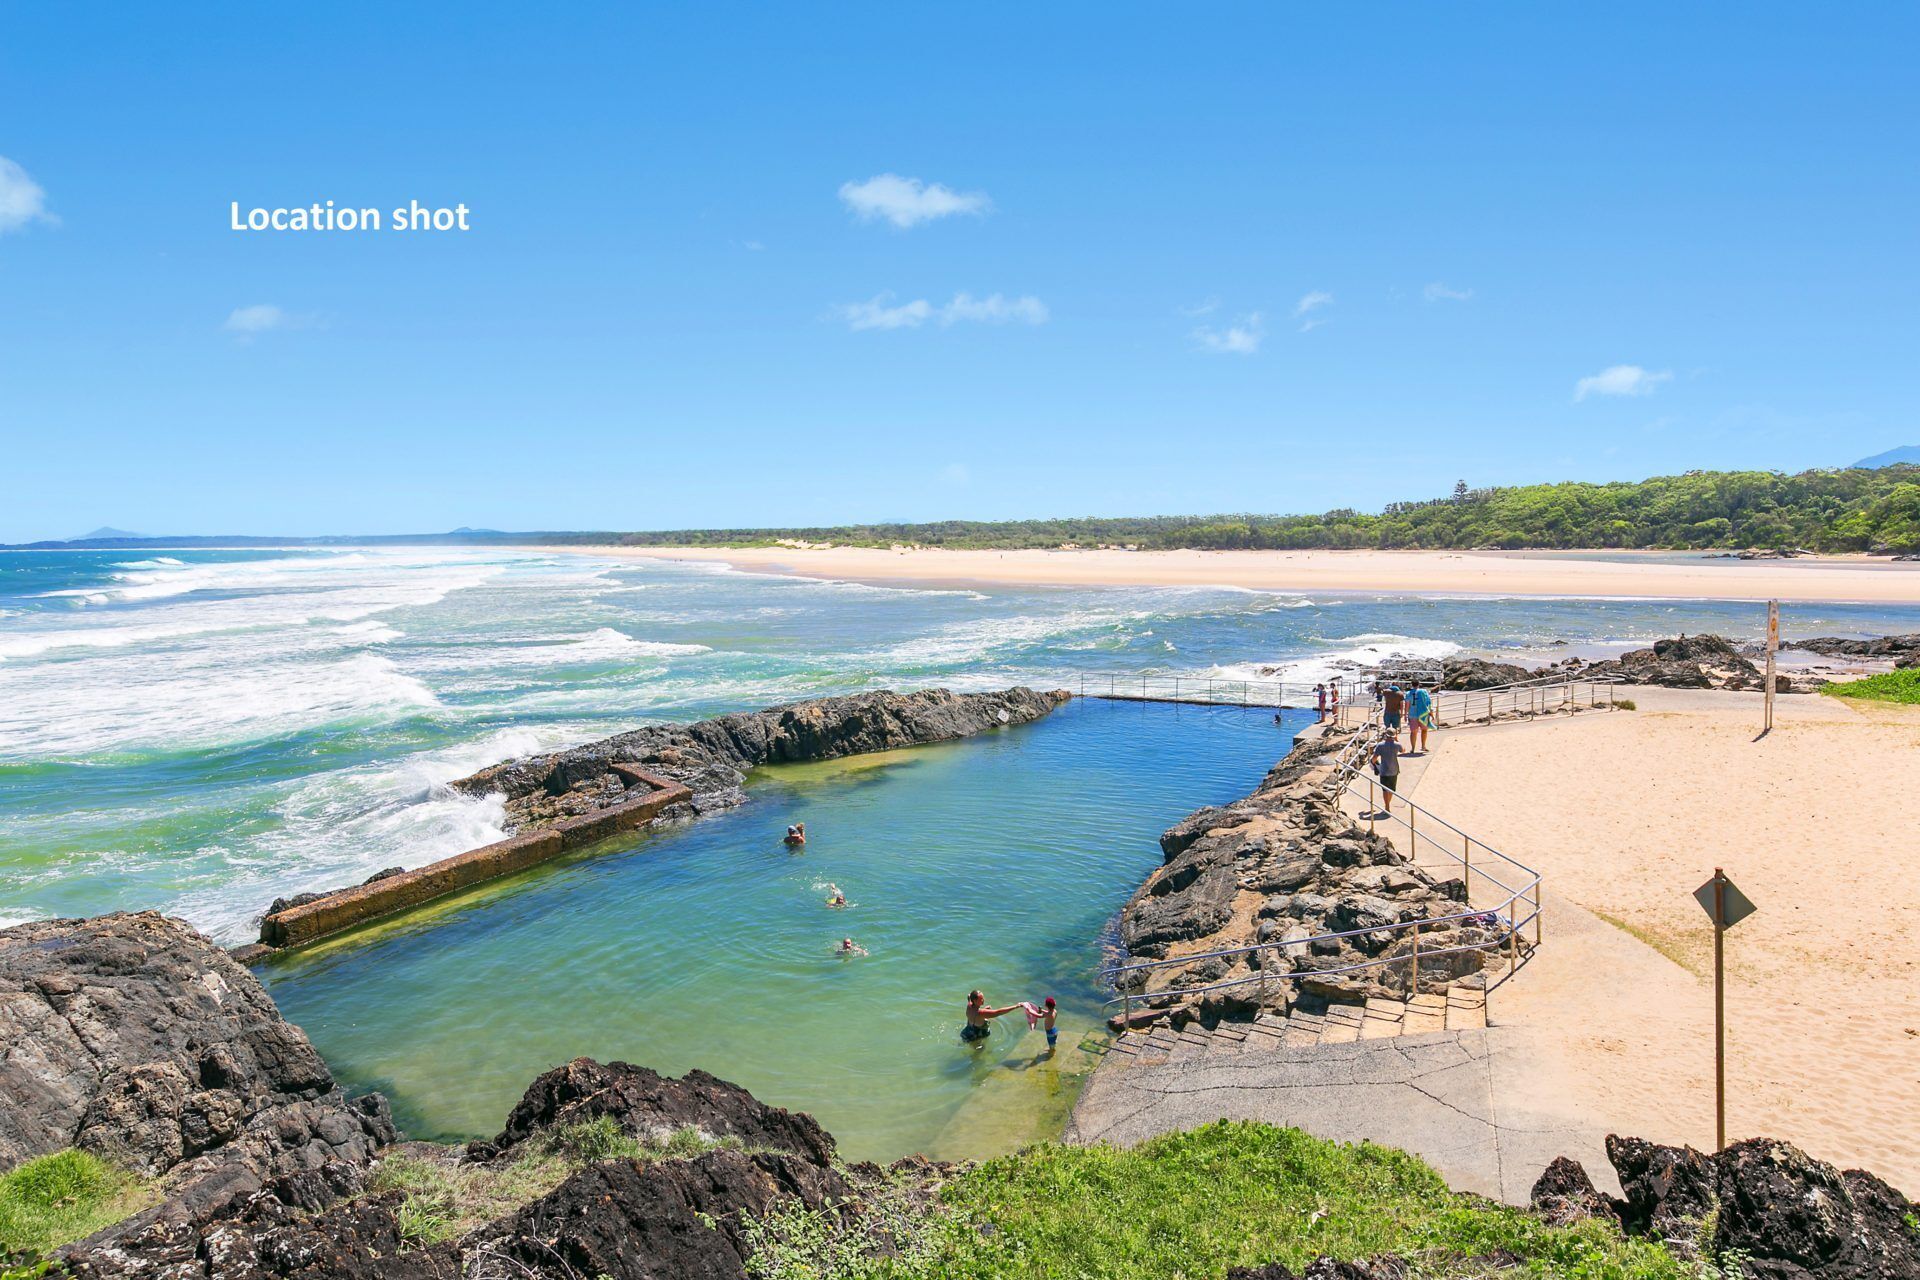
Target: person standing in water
1046, 1020
797, 834
976, 1027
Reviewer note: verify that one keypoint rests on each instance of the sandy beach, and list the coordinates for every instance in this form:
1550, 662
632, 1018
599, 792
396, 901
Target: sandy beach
1858, 579
1625, 815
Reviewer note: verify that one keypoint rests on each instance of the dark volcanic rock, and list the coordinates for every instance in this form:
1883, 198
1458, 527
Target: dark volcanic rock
677, 1220
650, 1105
134, 1037
1564, 1194
1797, 1218
1668, 1189
1477, 673
1384, 1267
712, 757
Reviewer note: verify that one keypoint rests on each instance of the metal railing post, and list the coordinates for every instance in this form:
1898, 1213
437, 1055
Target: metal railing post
1126, 1012
1537, 913
1372, 805
1416, 958
1466, 861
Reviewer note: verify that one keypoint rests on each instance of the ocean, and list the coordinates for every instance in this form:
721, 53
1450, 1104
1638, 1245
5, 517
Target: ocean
202, 731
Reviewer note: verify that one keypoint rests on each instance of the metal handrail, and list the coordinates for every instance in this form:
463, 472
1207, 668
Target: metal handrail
1506, 909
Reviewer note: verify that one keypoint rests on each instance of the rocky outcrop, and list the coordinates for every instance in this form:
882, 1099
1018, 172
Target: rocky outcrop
133, 1037
649, 1105
627, 1219
1785, 1214
712, 757
1479, 673
1287, 867
1901, 651
1687, 662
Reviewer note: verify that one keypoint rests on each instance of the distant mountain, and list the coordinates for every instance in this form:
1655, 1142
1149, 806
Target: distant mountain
464, 530
1905, 453
107, 531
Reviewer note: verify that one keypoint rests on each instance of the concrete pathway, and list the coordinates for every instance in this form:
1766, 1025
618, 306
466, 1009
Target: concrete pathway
1456, 1099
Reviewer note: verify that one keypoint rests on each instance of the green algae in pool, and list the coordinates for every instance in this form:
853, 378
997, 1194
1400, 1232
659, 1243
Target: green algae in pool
995, 862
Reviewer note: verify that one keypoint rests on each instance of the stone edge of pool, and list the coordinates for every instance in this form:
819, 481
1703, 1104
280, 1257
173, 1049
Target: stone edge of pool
564, 801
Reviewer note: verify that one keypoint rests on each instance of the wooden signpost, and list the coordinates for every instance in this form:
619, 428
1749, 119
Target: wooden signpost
1773, 647
1728, 907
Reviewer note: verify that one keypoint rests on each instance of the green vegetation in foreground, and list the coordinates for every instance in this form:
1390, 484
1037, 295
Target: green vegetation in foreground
1845, 510
443, 1198
1888, 686
55, 1199
1193, 1204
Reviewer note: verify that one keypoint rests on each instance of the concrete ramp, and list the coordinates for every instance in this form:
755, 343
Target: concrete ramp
1456, 1098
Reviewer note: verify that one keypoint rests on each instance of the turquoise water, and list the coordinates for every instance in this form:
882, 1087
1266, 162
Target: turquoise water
996, 862
202, 731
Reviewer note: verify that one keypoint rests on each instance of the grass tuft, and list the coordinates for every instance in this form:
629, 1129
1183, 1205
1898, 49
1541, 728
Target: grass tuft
1228, 1194
56, 1199
1889, 686
444, 1197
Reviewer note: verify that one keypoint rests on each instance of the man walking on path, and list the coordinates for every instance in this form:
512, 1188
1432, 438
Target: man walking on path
1386, 766
1392, 701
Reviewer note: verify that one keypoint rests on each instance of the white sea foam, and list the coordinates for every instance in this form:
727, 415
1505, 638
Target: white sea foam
1370, 649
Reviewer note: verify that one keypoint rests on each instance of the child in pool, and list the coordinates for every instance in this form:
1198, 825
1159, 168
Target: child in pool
849, 949
1046, 1020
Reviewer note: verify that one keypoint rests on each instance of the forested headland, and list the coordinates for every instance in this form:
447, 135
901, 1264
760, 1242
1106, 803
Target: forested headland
1841, 510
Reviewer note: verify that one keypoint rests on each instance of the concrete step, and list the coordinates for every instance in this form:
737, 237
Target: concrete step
1425, 1012
1382, 1017
1343, 1023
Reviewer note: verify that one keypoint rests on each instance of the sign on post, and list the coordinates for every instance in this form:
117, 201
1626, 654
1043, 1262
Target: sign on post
1773, 647
1726, 906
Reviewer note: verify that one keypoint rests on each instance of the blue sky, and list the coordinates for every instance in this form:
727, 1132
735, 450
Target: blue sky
1173, 259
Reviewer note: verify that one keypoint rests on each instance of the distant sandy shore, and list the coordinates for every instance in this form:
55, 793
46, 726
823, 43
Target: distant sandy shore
1825, 578
1625, 815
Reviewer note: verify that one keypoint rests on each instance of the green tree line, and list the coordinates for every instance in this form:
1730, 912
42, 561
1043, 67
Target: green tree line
1844, 510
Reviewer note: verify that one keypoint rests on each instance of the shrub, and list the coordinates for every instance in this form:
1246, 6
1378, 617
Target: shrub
1889, 686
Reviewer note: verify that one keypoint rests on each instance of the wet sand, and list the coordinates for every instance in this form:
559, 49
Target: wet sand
1859, 579
1625, 815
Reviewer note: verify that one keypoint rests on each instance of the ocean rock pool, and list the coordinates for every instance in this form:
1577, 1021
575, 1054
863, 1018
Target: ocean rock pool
996, 862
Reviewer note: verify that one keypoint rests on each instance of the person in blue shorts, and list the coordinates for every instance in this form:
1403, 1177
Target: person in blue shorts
1419, 718
1046, 1020
1392, 703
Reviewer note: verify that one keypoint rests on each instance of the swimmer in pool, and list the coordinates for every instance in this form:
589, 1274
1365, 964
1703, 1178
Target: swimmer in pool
975, 1029
797, 834
835, 898
849, 949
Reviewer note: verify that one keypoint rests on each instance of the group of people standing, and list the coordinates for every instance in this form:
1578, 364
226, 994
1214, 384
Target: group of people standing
1413, 704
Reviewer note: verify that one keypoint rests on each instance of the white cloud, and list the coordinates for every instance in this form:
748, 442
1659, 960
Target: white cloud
257, 319
906, 201
880, 312
1438, 291
21, 199
995, 309
1206, 308
1311, 302
1620, 380
1241, 338
248, 323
